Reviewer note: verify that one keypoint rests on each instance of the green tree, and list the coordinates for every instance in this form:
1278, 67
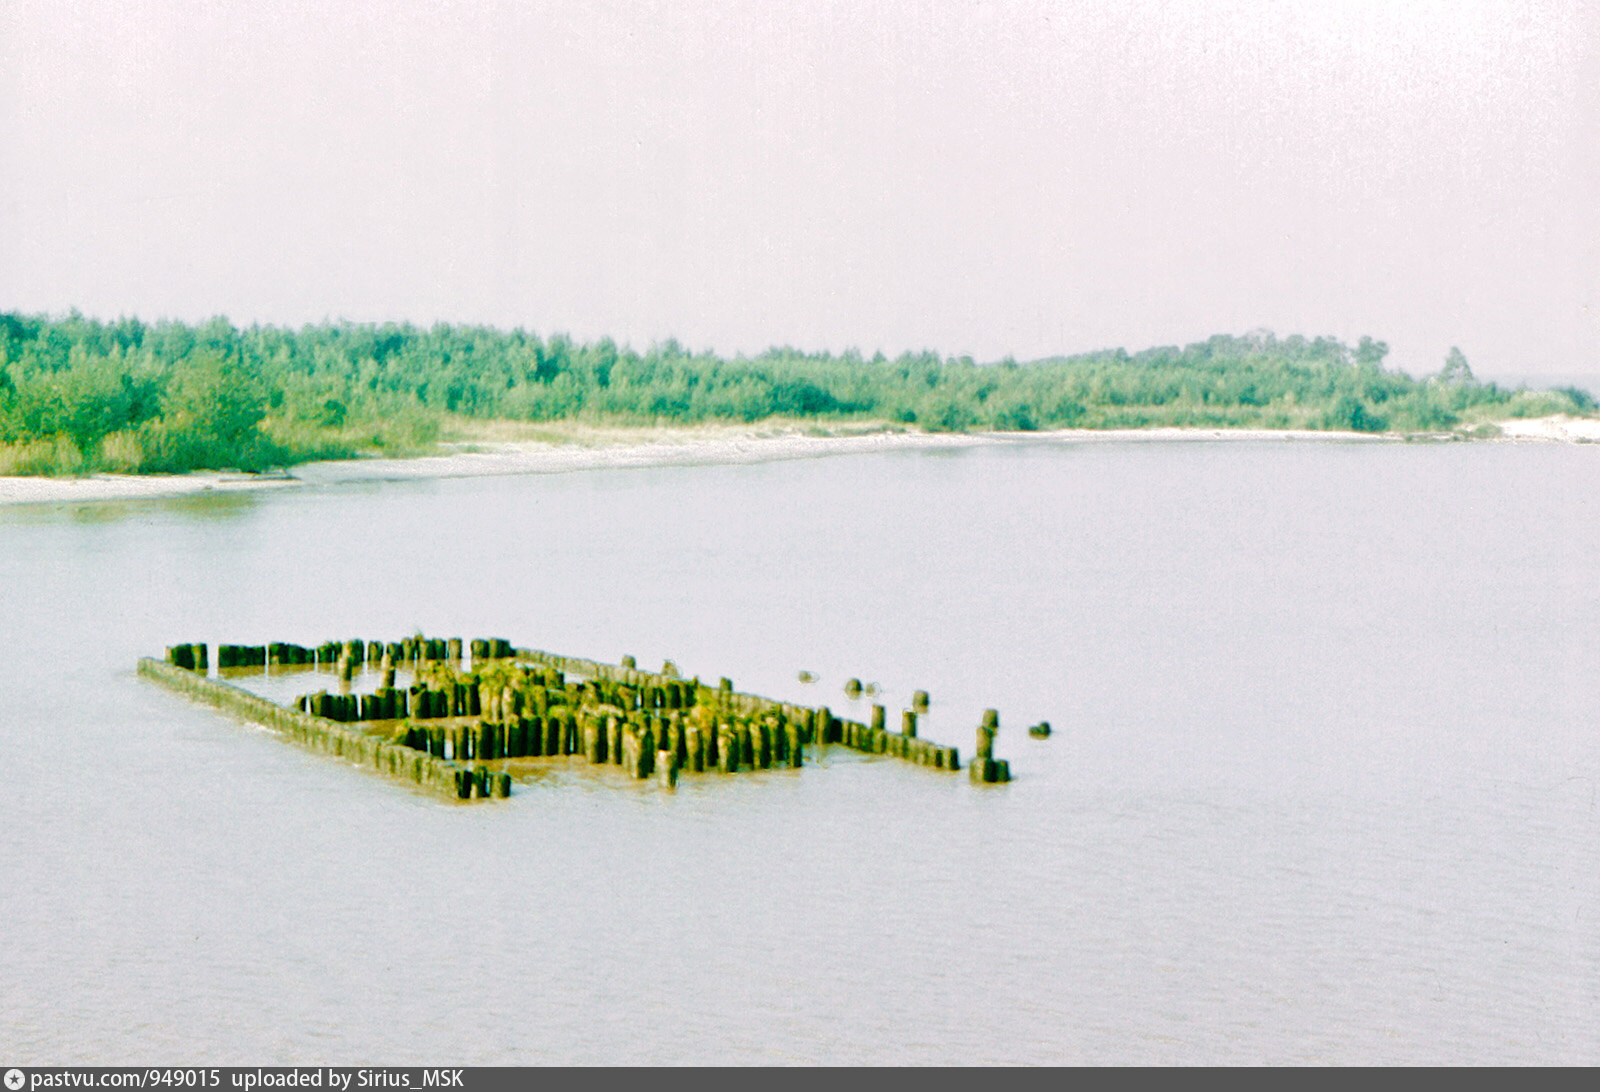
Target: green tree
1456, 371
211, 416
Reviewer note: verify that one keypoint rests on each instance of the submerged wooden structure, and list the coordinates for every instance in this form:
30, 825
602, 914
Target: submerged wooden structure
454, 729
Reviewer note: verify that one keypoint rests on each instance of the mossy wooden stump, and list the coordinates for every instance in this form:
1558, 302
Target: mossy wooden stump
465, 733
985, 768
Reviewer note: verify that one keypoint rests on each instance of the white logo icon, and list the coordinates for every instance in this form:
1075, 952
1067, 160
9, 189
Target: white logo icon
14, 1079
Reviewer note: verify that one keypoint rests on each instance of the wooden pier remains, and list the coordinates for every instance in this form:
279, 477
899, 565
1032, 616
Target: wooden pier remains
453, 730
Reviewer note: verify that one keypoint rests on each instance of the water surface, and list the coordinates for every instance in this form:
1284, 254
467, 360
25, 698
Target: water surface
1323, 785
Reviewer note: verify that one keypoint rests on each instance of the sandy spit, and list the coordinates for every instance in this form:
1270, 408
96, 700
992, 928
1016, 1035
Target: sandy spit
721, 446
1559, 429
577, 448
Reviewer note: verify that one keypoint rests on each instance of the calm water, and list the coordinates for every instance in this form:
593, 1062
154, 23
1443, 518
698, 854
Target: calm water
1323, 786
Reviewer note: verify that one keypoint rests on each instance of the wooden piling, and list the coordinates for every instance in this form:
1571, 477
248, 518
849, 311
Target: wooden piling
986, 733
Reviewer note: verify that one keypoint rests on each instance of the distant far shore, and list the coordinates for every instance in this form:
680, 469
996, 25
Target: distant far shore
564, 449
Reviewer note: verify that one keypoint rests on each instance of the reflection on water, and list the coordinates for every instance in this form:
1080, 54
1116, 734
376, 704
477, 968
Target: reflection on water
207, 504
1321, 785
214, 504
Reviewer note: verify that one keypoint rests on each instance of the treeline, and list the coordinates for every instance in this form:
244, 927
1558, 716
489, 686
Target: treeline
78, 395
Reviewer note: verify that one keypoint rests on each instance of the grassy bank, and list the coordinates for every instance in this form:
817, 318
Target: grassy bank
79, 395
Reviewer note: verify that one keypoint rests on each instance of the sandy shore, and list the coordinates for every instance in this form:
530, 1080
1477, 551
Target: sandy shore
572, 448
1561, 429
110, 487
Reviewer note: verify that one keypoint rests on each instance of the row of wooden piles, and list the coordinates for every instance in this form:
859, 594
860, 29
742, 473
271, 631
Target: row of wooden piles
659, 746
193, 656
386, 703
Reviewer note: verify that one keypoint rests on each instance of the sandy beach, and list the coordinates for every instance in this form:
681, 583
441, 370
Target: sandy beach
567, 448
1560, 429
118, 487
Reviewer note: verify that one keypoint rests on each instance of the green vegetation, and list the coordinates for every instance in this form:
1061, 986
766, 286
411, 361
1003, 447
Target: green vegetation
78, 395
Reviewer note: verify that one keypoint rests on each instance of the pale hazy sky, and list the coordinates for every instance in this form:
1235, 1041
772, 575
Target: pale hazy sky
978, 178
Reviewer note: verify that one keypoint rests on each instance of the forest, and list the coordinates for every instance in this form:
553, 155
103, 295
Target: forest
79, 395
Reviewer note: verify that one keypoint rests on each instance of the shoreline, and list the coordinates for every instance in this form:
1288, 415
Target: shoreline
615, 448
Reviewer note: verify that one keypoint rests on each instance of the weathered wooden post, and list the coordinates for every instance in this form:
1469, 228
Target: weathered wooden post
778, 739
696, 746
919, 701
630, 750
984, 769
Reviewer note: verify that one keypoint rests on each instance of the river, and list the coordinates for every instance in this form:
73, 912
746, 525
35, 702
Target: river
1322, 786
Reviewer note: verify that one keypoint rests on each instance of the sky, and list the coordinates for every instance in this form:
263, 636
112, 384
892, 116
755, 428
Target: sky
975, 178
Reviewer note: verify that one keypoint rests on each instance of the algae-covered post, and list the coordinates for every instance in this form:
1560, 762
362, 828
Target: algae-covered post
985, 768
